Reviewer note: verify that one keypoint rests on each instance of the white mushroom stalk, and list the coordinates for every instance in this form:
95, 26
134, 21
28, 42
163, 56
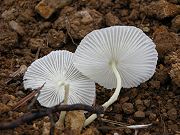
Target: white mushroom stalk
115, 57
63, 82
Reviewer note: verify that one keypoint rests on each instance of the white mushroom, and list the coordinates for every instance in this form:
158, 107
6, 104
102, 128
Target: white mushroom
57, 71
122, 53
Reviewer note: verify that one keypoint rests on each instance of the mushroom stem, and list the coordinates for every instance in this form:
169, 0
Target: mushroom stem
66, 94
113, 97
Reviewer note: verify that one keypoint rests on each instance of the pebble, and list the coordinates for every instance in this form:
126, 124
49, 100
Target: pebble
56, 38
147, 102
139, 105
111, 19
172, 114
139, 115
162, 9
152, 116
176, 23
128, 108
17, 27
4, 108
165, 42
35, 43
47, 7
91, 131
74, 121
124, 99
20, 93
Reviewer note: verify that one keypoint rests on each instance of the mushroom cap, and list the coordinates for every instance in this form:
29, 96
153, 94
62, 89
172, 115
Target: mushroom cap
129, 47
53, 70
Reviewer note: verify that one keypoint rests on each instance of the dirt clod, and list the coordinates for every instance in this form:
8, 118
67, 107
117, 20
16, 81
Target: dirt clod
176, 23
17, 27
74, 121
172, 114
55, 38
111, 19
139, 115
128, 108
162, 9
4, 108
165, 41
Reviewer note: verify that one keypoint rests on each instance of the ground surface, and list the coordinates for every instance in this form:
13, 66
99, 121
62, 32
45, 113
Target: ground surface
23, 32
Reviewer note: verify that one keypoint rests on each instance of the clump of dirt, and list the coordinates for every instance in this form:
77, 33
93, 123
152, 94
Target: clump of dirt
26, 36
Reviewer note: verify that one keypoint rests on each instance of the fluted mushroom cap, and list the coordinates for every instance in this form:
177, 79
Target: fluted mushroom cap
53, 70
129, 47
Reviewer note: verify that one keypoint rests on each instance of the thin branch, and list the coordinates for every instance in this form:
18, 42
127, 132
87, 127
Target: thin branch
28, 117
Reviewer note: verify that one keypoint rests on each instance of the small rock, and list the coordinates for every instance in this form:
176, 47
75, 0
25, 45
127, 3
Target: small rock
35, 43
91, 131
131, 121
17, 27
4, 108
20, 93
47, 7
176, 23
128, 131
117, 108
11, 103
118, 117
147, 102
139, 115
152, 117
146, 29
124, 99
8, 39
161, 9
139, 105
46, 128
74, 121
138, 102
111, 19
128, 108
165, 41
56, 38
9, 14
172, 114
134, 92
154, 84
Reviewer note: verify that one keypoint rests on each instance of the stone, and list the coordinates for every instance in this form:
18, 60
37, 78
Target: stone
161, 9
111, 19
147, 102
17, 27
35, 43
56, 38
175, 23
74, 121
139, 105
4, 108
165, 41
128, 108
172, 114
91, 131
152, 117
139, 115
47, 7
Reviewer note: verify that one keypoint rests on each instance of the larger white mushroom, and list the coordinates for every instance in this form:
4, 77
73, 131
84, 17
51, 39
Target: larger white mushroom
62, 80
115, 57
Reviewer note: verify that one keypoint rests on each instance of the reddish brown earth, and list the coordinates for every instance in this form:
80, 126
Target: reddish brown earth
24, 32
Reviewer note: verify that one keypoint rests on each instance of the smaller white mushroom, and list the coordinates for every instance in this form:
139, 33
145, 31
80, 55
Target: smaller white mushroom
57, 71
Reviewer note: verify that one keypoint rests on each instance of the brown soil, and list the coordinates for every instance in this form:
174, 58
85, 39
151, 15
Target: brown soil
23, 32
